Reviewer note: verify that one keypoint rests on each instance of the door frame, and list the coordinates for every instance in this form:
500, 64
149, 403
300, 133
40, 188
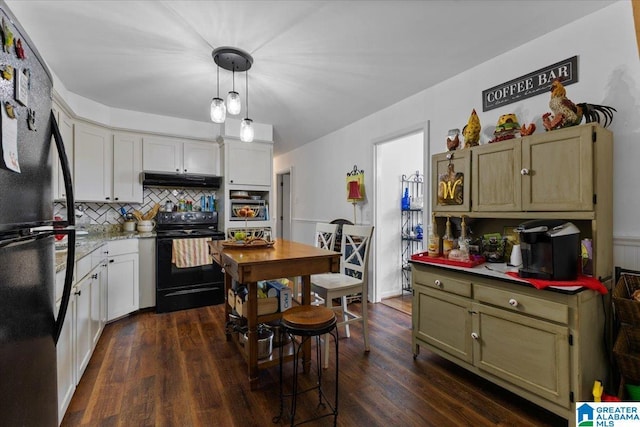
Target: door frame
423, 127
283, 220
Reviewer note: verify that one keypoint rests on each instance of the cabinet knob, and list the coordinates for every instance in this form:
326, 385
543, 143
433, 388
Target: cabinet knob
513, 302
524, 172
177, 170
475, 335
185, 171
438, 283
78, 293
111, 260
116, 198
94, 276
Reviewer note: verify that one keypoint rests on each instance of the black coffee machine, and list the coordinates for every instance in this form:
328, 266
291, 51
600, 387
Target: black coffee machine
550, 249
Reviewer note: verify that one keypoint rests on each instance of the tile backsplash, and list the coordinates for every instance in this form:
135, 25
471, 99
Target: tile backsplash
109, 213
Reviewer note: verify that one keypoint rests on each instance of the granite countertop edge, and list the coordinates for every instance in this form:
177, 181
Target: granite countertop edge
90, 242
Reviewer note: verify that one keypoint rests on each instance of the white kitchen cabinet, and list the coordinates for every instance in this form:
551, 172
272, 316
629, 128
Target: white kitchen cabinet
82, 295
99, 276
178, 156
65, 125
65, 356
248, 163
127, 166
122, 288
93, 159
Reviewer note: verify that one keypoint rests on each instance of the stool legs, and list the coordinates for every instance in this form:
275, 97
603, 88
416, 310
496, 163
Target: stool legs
295, 387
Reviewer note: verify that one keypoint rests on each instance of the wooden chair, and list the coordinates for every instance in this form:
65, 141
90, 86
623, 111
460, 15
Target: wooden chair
325, 238
352, 279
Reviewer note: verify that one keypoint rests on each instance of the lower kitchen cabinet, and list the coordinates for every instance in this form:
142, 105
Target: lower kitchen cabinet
66, 359
84, 322
122, 288
543, 345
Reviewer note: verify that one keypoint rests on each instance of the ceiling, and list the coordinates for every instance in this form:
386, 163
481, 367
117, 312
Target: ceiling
318, 65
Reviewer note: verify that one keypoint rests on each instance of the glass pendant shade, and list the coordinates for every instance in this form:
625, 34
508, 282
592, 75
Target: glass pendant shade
218, 110
233, 103
246, 130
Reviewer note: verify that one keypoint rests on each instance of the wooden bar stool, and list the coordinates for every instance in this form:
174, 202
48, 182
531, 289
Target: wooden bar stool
307, 321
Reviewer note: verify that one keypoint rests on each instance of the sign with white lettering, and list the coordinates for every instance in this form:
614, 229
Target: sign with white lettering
531, 84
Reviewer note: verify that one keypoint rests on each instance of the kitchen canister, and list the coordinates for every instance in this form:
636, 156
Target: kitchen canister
129, 226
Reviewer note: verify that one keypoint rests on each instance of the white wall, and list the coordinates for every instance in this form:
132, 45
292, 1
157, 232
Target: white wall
609, 74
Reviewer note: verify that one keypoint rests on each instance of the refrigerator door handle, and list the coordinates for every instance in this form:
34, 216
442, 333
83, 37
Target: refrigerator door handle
71, 220
66, 170
66, 292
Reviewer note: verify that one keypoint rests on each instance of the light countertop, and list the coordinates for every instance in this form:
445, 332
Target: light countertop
85, 244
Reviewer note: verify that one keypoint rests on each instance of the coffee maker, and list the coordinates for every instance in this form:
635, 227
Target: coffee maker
550, 249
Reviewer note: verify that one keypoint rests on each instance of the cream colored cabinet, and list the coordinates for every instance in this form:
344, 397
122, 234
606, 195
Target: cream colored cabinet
177, 156
83, 340
65, 355
248, 163
542, 345
93, 159
127, 166
497, 178
122, 288
65, 125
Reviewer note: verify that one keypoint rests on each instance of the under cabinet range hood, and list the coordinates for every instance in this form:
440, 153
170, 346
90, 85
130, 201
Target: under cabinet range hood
159, 179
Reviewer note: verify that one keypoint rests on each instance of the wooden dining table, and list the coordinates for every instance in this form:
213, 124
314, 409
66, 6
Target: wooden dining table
247, 265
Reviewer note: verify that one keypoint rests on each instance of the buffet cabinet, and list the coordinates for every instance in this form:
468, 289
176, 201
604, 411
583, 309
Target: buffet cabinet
547, 346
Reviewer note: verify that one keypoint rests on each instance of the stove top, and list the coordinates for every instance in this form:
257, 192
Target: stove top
188, 224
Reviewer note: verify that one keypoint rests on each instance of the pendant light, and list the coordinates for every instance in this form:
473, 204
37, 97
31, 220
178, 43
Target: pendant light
233, 99
232, 59
246, 127
218, 109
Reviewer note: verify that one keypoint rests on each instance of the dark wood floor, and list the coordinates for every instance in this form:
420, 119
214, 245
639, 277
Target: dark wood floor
177, 369
401, 302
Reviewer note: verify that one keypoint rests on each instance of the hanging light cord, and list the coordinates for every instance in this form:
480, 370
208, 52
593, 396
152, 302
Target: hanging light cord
247, 85
218, 79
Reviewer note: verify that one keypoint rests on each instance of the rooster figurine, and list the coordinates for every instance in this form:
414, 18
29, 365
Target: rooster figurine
566, 113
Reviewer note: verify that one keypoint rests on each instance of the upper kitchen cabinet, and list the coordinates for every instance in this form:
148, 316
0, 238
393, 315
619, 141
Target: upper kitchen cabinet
127, 166
173, 155
93, 159
548, 172
451, 179
248, 163
65, 124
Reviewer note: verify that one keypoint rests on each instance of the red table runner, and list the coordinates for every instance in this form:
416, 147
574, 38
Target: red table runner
587, 282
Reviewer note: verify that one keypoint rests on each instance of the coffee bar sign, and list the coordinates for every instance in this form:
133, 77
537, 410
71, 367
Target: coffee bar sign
531, 84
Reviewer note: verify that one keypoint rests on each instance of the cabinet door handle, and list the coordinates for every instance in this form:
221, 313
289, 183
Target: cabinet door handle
78, 293
438, 283
513, 302
107, 198
475, 335
111, 260
94, 276
524, 172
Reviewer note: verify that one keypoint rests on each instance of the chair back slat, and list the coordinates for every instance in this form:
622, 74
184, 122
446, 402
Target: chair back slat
326, 235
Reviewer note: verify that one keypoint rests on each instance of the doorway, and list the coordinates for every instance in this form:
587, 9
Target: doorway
404, 153
283, 205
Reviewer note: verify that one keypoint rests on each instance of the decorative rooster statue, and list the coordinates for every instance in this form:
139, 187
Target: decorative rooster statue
566, 113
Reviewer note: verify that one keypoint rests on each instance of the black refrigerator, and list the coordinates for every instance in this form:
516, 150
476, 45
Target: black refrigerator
29, 322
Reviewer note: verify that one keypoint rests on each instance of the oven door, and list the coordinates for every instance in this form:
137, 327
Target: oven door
180, 286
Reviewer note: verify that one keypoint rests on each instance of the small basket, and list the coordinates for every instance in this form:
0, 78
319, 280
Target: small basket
627, 310
627, 352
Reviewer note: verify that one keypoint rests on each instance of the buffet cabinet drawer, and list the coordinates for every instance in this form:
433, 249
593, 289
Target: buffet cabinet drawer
450, 282
521, 303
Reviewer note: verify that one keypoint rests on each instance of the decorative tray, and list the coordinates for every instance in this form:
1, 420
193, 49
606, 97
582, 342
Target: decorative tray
424, 257
242, 244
